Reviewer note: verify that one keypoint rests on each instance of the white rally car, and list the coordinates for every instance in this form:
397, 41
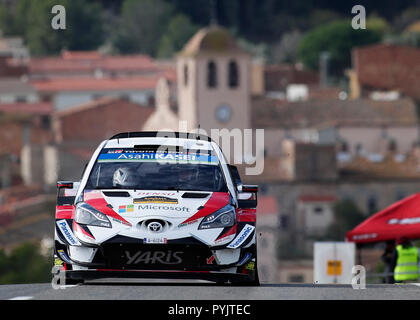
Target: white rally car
157, 205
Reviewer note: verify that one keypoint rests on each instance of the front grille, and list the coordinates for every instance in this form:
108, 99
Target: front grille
156, 256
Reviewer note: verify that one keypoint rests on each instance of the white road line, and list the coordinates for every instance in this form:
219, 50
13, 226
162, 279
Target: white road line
22, 298
415, 284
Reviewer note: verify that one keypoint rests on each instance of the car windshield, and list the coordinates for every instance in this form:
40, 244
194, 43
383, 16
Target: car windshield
125, 169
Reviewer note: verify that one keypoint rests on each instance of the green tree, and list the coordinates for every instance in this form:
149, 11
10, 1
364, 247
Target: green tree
180, 30
337, 38
346, 216
142, 24
32, 21
24, 264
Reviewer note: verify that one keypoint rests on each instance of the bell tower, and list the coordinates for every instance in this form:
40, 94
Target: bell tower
213, 82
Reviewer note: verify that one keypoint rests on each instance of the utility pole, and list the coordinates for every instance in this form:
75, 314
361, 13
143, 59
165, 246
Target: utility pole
213, 13
323, 68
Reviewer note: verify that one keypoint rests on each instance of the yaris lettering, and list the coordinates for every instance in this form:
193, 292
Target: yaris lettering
152, 257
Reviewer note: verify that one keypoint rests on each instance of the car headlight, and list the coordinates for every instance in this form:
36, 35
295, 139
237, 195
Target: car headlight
224, 217
86, 214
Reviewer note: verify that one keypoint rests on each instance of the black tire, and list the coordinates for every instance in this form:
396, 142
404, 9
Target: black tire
70, 281
253, 280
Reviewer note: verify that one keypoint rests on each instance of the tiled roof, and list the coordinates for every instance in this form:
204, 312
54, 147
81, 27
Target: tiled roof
317, 198
100, 119
388, 67
273, 172
41, 108
15, 86
92, 84
277, 77
97, 103
271, 113
72, 61
361, 168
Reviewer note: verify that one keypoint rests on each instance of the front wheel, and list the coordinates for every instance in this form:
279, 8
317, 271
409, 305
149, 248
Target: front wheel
252, 275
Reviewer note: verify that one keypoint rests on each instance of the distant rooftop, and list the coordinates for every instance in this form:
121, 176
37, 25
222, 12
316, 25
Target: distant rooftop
15, 86
89, 62
272, 113
388, 67
41, 108
92, 84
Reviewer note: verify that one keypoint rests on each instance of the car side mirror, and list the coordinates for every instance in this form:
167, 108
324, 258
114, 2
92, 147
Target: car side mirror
66, 191
65, 185
251, 200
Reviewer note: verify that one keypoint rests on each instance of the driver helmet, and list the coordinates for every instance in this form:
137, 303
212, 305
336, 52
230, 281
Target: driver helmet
125, 177
187, 174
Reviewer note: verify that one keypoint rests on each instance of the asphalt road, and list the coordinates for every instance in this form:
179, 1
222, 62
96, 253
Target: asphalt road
183, 290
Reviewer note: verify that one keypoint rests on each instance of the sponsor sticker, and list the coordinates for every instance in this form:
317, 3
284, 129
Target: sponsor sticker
155, 199
126, 208
66, 231
58, 262
187, 223
250, 265
165, 208
151, 156
365, 236
156, 193
241, 237
414, 220
155, 240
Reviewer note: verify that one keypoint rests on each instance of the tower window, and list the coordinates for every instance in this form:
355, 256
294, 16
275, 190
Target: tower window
211, 75
233, 75
185, 75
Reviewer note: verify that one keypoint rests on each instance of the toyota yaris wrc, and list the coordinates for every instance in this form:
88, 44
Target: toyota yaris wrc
157, 205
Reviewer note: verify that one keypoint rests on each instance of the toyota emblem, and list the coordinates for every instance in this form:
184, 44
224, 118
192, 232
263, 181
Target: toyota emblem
155, 227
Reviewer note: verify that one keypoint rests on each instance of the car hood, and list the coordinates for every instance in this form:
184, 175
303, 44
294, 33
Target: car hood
123, 204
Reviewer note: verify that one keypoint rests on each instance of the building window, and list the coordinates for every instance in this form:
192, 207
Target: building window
96, 96
185, 75
392, 145
318, 210
372, 205
233, 75
284, 222
344, 147
211, 75
359, 149
46, 122
20, 99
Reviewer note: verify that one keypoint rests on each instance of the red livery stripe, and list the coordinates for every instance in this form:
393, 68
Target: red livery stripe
246, 215
100, 204
228, 233
76, 227
64, 212
217, 201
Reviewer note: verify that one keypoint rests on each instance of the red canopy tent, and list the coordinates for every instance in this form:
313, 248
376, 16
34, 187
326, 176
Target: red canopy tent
401, 219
